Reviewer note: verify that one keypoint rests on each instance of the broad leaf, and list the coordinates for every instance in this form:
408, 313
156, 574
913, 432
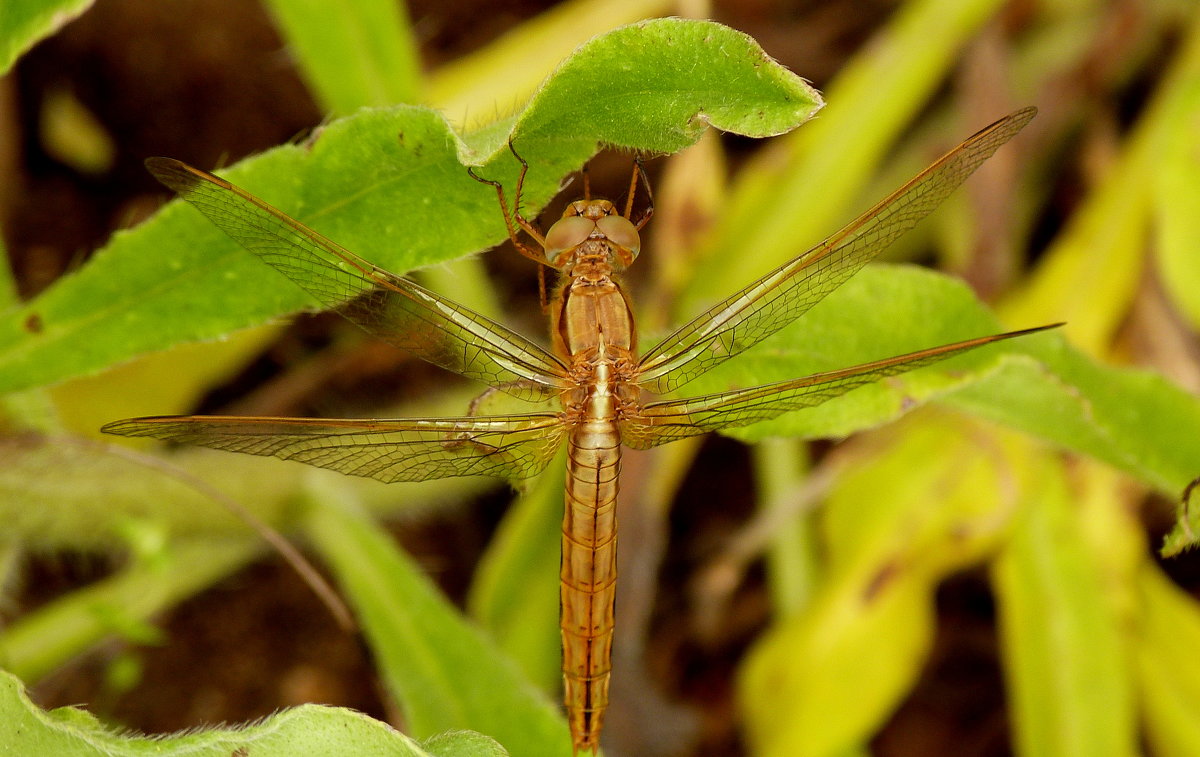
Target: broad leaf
392, 186
24, 22
311, 730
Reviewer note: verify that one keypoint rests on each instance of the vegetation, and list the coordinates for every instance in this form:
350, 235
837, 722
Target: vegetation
1027, 462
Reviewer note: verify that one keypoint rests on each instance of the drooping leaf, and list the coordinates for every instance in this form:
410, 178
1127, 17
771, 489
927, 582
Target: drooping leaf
919, 502
1168, 630
1069, 678
352, 55
1177, 204
444, 673
514, 594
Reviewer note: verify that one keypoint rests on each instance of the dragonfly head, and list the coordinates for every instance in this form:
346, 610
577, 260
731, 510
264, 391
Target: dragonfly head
588, 227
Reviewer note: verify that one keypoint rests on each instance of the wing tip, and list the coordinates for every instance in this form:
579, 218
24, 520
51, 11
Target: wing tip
136, 426
1024, 115
1032, 330
174, 174
121, 428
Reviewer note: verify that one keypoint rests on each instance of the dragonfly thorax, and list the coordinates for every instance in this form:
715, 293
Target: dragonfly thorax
594, 231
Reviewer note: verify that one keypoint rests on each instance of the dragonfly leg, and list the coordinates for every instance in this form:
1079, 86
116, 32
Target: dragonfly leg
481, 405
530, 229
521, 221
639, 172
632, 188
488, 403
514, 221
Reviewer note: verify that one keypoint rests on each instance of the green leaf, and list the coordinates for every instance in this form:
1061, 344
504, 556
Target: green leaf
442, 671
463, 744
1090, 275
49, 486
24, 22
508, 70
1177, 204
177, 278
806, 695
799, 189
32, 409
1185, 534
157, 383
49, 501
884, 310
1133, 419
352, 54
1069, 676
391, 185
1168, 635
311, 730
793, 564
515, 591
657, 85
919, 501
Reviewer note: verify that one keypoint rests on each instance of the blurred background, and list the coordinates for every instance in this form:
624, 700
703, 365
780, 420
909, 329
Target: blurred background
1084, 218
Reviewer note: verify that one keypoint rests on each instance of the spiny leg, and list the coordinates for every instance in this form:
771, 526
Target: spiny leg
514, 220
530, 229
521, 221
479, 405
639, 172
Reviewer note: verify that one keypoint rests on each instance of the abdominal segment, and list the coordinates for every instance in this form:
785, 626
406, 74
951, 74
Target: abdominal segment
588, 576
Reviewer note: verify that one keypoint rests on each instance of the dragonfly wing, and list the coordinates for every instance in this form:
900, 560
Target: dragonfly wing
418, 449
389, 307
661, 422
782, 296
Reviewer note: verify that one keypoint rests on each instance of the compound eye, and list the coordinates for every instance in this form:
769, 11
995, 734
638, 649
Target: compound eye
567, 233
621, 232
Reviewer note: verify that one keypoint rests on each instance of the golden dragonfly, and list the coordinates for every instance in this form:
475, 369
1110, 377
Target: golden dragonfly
593, 369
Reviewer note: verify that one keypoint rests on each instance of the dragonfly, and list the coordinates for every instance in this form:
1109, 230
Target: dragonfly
593, 370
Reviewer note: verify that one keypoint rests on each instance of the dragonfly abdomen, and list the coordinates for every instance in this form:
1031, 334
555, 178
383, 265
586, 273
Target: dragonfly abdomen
589, 575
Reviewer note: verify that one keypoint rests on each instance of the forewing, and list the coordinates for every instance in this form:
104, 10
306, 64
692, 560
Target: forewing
418, 449
762, 308
391, 308
661, 422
